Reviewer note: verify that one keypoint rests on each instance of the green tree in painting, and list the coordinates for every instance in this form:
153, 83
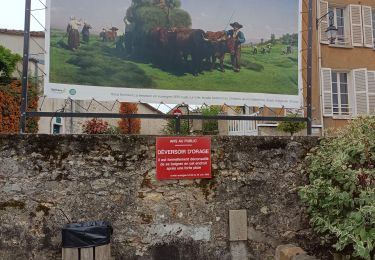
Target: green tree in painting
179, 18
148, 14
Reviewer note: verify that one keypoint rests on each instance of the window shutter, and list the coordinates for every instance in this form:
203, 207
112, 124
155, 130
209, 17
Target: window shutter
360, 91
323, 26
356, 25
371, 91
367, 26
327, 92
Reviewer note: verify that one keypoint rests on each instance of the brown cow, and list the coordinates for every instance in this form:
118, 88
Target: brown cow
220, 45
216, 36
158, 44
109, 35
191, 42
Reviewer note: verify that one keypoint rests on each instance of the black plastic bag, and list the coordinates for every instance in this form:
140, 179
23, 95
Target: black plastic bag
88, 234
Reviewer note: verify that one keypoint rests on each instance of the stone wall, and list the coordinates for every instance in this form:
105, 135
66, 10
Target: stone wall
112, 178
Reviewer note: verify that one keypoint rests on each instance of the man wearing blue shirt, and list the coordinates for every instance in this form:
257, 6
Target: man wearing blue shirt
238, 38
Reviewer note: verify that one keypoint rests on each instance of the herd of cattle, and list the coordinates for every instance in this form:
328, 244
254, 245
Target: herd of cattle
174, 46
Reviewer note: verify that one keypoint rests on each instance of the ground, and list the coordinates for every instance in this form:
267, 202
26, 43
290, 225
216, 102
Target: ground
98, 63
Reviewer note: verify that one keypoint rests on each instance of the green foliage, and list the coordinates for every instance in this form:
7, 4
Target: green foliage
291, 127
149, 14
94, 64
179, 18
264, 71
170, 128
247, 64
148, 17
341, 193
210, 127
273, 38
8, 63
172, 4
289, 39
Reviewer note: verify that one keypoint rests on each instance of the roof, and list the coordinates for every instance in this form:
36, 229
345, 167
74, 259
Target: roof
39, 34
152, 108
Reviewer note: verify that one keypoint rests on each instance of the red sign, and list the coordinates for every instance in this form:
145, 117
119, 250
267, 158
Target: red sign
177, 112
183, 158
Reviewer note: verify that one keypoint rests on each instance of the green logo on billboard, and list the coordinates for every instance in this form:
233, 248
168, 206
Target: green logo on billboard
72, 92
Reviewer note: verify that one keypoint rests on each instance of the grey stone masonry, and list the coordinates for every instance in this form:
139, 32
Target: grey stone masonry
112, 178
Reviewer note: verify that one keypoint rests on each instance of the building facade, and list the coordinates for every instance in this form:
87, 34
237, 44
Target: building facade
343, 79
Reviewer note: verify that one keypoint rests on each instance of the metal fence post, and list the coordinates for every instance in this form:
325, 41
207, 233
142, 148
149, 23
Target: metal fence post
178, 125
25, 66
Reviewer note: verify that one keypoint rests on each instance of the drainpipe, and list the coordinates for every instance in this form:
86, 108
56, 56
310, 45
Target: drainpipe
321, 106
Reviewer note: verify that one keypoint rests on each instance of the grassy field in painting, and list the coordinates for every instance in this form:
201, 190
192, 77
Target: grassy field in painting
99, 64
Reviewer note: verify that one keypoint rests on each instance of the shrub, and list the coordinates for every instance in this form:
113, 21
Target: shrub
95, 127
129, 125
10, 100
170, 128
291, 127
341, 194
210, 127
8, 63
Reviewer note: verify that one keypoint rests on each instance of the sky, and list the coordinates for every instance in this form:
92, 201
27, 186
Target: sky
12, 14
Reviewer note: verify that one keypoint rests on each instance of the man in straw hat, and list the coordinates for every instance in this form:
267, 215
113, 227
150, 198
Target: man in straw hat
238, 38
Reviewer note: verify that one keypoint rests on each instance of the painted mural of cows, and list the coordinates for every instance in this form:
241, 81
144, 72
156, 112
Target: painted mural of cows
220, 44
193, 42
109, 35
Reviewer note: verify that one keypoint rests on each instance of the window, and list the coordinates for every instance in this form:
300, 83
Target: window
338, 17
348, 93
373, 25
340, 24
340, 93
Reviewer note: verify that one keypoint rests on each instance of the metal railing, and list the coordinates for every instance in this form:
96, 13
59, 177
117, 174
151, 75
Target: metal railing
243, 128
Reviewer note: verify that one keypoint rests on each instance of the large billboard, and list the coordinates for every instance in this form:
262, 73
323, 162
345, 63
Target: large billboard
235, 52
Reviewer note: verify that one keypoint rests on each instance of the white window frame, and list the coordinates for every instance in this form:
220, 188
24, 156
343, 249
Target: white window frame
373, 26
347, 43
335, 23
340, 107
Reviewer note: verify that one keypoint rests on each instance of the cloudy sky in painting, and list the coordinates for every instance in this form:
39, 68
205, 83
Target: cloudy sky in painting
260, 18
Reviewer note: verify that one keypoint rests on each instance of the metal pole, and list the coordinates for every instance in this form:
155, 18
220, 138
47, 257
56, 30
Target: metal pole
309, 69
157, 116
25, 67
178, 125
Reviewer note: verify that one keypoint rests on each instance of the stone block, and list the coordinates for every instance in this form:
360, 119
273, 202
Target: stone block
287, 252
238, 250
237, 225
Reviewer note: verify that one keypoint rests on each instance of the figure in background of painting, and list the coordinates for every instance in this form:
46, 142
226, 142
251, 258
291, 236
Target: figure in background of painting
238, 38
129, 36
86, 32
73, 33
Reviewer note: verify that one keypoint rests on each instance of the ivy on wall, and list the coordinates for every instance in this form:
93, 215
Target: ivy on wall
10, 102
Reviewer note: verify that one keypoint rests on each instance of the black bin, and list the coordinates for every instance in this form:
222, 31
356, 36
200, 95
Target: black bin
89, 240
